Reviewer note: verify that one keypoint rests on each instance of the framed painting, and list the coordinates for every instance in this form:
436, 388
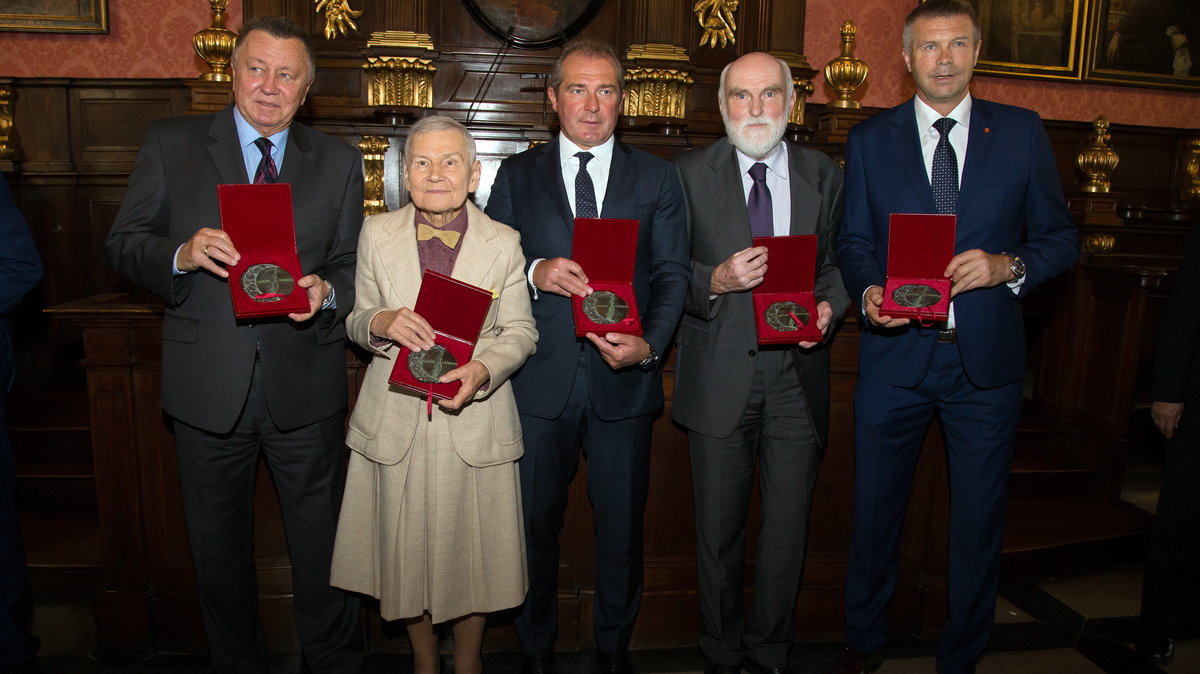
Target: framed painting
54, 16
1041, 39
533, 24
1145, 43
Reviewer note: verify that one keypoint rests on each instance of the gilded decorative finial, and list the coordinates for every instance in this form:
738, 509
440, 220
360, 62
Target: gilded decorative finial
1098, 159
804, 88
374, 148
717, 20
1191, 189
846, 73
339, 18
215, 44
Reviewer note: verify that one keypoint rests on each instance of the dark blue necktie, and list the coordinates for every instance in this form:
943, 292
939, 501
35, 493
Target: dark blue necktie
944, 176
585, 191
266, 173
758, 206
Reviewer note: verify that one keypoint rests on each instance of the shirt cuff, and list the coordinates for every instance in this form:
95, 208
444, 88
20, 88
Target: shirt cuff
529, 275
330, 299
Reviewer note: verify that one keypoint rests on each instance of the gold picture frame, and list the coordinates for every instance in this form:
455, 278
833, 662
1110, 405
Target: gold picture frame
1144, 44
54, 16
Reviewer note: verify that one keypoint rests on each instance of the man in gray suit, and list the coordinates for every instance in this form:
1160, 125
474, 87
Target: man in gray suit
235, 390
738, 400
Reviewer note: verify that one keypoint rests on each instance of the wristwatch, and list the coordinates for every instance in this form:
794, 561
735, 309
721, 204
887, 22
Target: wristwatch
1016, 265
649, 361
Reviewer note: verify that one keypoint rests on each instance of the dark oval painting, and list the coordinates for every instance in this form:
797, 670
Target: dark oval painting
533, 24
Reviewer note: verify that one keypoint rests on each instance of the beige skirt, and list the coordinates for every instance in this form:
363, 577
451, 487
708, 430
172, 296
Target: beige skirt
432, 534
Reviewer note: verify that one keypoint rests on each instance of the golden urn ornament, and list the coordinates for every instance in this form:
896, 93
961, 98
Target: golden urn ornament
215, 44
1098, 160
847, 72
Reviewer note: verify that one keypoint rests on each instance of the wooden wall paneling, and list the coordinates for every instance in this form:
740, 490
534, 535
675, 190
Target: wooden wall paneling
109, 120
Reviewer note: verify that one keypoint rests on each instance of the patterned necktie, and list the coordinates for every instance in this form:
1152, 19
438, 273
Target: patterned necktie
585, 191
758, 206
944, 178
266, 173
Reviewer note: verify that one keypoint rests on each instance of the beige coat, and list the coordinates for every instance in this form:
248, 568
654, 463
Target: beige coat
431, 520
385, 421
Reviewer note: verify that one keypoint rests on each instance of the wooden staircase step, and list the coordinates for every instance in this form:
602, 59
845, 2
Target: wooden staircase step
1043, 523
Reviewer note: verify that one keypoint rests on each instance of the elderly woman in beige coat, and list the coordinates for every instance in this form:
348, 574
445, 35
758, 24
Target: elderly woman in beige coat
431, 520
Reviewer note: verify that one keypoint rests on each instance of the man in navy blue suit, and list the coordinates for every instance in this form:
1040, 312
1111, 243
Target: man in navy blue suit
602, 392
1013, 233
20, 270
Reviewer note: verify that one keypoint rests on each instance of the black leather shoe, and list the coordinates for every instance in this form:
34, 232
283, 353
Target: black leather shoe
614, 663
538, 663
1157, 651
714, 668
857, 662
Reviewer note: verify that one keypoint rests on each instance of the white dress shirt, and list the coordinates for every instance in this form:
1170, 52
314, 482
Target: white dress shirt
777, 182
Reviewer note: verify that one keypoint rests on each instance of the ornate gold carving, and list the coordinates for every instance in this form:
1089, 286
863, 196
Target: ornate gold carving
656, 52
804, 88
846, 73
400, 38
717, 20
215, 44
7, 151
656, 92
1099, 243
1098, 159
373, 149
339, 18
400, 80
1191, 190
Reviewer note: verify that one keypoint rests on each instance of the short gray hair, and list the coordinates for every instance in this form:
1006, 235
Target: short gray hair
435, 123
280, 28
939, 9
587, 47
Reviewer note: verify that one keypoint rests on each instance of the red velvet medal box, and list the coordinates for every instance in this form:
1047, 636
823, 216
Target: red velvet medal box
456, 311
607, 251
258, 219
920, 247
791, 274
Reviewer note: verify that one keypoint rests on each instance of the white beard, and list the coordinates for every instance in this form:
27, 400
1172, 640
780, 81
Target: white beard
759, 142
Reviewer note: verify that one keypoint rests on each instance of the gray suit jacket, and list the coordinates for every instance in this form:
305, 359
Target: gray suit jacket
716, 338
208, 355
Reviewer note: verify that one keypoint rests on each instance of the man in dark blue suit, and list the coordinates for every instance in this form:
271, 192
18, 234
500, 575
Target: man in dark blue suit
1013, 233
20, 270
604, 392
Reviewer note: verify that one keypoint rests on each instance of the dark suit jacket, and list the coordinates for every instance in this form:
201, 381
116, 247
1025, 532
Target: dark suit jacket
1177, 358
1010, 200
717, 338
20, 271
530, 196
208, 356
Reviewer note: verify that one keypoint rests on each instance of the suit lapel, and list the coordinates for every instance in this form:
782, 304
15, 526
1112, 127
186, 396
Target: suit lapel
551, 172
396, 253
725, 184
979, 151
621, 183
226, 149
906, 143
806, 198
477, 255
298, 161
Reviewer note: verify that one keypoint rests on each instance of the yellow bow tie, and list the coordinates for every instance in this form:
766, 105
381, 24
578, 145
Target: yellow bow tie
447, 236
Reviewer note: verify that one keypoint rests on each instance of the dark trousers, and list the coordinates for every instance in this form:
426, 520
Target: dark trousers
1171, 582
776, 430
16, 608
980, 429
217, 473
618, 460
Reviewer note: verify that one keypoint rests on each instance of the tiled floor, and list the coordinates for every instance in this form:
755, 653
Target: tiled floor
1070, 625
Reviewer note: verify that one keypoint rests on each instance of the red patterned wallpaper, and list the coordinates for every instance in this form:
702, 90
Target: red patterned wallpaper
880, 23
146, 39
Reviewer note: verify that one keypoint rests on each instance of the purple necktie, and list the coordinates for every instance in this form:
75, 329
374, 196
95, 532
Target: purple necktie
266, 173
758, 206
943, 177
